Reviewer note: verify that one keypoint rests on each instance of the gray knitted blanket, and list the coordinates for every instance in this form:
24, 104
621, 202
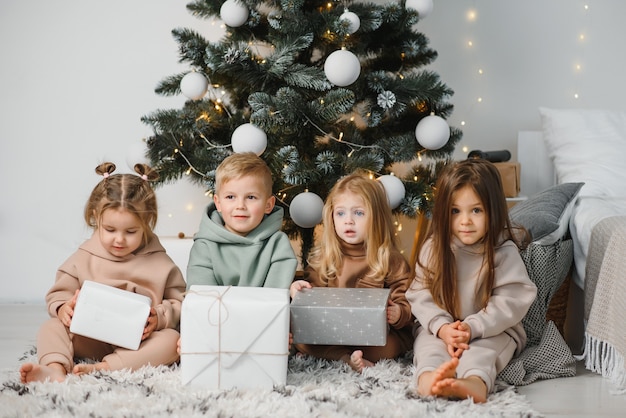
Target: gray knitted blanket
605, 301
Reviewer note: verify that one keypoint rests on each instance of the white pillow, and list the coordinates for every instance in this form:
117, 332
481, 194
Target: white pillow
587, 145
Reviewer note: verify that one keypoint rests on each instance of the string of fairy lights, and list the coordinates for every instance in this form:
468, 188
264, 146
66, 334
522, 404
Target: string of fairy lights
465, 111
578, 64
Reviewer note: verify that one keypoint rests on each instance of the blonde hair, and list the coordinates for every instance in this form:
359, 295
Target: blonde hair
129, 191
326, 257
243, 164
440, 275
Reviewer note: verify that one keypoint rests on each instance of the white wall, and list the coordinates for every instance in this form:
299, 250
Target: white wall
76, 77
528, 52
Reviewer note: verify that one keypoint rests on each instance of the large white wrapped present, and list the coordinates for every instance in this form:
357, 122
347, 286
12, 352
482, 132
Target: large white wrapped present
106, 313
340, 316
234, 337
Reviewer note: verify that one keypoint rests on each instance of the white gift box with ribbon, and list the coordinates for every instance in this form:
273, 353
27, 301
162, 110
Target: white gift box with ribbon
106, 313
234, 337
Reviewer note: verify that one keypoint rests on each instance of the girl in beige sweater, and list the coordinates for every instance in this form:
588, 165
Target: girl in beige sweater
122, 252
471, 288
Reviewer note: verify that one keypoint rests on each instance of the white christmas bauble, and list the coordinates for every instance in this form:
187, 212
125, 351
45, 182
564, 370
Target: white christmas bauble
342, 68
394, 188
432, 132
194, 85
355, 22
306, 209
249, 138
423, 7
234, 13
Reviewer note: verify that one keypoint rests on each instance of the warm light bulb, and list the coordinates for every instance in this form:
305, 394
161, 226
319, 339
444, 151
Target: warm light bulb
480, 71
575, 95
471, 15
479, 100
470, 43
462, 123
465, 149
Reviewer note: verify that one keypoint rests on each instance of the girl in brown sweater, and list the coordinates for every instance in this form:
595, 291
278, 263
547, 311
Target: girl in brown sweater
358, 250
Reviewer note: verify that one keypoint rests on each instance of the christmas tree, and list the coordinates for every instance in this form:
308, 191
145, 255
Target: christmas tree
318, 89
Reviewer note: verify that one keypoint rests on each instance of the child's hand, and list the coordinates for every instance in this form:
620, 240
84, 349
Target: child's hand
456, 336
464, 327
462, 341
393, 312
297, 286
178, 346
66, 311
151, 324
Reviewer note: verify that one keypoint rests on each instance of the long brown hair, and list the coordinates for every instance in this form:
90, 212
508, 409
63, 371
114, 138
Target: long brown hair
440, 273
326, 257
129, 191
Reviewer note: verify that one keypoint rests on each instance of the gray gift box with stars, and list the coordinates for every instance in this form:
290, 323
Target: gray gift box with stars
340, 316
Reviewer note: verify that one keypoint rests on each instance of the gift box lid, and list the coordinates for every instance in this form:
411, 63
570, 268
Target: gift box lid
337, 297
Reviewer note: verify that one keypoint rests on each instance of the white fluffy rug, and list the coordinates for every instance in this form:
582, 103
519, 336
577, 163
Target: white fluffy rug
314, 388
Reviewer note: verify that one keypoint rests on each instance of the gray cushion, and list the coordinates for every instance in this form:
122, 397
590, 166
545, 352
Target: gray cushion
546, 214
546, 355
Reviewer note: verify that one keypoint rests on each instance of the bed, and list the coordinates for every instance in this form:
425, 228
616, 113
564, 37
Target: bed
586, 147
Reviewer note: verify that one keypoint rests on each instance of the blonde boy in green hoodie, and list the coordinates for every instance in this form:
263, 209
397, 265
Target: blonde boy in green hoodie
239, 241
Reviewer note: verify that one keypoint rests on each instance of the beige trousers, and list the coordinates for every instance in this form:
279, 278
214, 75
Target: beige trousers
56, 344
485, 358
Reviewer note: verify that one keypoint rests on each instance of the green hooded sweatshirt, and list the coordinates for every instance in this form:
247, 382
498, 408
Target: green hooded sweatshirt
263, 258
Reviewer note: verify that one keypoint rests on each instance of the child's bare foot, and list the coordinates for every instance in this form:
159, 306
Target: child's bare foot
469, 387
30, 372
357, 362
428, 380
90, 368
425, 383
445, 384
